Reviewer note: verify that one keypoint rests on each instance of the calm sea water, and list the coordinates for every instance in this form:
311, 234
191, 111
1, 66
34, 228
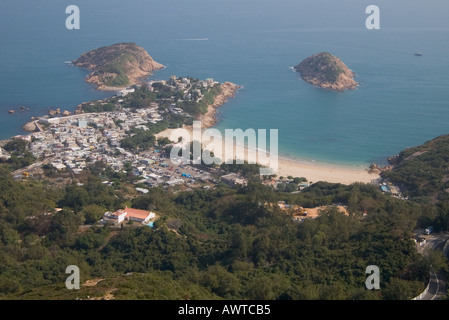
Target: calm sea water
402, 100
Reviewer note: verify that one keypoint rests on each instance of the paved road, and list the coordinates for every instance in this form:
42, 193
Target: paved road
437, 283
437, 287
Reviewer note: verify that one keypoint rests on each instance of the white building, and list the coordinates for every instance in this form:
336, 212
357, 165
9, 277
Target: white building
124, 92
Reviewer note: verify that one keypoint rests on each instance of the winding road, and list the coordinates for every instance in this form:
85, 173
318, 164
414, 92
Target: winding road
437, 282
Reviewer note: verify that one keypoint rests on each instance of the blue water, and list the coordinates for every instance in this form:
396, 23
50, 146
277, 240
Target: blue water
402, 100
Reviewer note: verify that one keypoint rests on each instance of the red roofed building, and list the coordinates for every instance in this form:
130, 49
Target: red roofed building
133, 214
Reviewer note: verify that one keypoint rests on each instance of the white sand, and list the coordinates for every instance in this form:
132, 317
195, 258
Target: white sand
313, 172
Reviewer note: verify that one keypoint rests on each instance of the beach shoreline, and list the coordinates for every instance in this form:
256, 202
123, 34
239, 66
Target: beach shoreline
334, 173
295, 167
284, 166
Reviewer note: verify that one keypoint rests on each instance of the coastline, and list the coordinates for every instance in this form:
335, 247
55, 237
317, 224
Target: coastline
333, 173
296, 167
30, 126
228, 90
293, 166
110, 89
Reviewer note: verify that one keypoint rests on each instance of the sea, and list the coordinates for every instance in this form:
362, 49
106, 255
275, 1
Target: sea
402, 99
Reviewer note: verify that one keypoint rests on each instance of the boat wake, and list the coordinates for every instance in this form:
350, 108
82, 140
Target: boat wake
193, 39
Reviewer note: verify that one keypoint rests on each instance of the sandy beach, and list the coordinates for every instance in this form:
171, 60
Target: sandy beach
313, 172
281, 166
324, 172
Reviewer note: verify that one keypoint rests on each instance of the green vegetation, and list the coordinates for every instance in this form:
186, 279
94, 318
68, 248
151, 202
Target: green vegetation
249, 171
207, 244
140, 139
220, 243
422, 173
114, 64
96, 106
332, 70
20, 156
197, 108
119, 69
142, 97
16, 145
323, 65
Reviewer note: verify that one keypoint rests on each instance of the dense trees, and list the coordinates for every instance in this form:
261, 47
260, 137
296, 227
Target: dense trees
20, 156
422, 174
18, 145
218, 243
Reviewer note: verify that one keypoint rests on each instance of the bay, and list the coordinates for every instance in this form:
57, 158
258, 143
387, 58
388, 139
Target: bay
402, 100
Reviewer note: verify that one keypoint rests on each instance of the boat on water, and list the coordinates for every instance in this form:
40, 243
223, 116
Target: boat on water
419, 54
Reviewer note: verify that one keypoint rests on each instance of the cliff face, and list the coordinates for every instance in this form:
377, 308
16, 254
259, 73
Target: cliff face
118, 65
326, 71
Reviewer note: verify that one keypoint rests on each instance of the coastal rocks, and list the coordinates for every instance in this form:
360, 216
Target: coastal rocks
393, 160
18, 109
54, 112
79, 109
30, 126
228, 90
374, 168
117, 66
57, 112
326, 71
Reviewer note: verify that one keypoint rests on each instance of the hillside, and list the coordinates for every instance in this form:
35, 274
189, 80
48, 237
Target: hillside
118, 65
422, 171
326, 71
208, 244
154, 285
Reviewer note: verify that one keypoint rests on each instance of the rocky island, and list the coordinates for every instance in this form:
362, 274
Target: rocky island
326, 71
117, 66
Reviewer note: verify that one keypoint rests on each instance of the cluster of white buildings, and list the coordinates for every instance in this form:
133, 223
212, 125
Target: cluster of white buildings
191, 88
73, 142
70, 142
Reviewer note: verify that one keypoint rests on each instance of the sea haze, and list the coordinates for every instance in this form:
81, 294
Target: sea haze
402, 100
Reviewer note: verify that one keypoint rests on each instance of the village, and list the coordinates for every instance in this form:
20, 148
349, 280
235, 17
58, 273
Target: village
71, 143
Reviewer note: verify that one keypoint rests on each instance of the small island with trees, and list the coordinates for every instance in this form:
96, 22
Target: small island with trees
326, 71
117, 66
